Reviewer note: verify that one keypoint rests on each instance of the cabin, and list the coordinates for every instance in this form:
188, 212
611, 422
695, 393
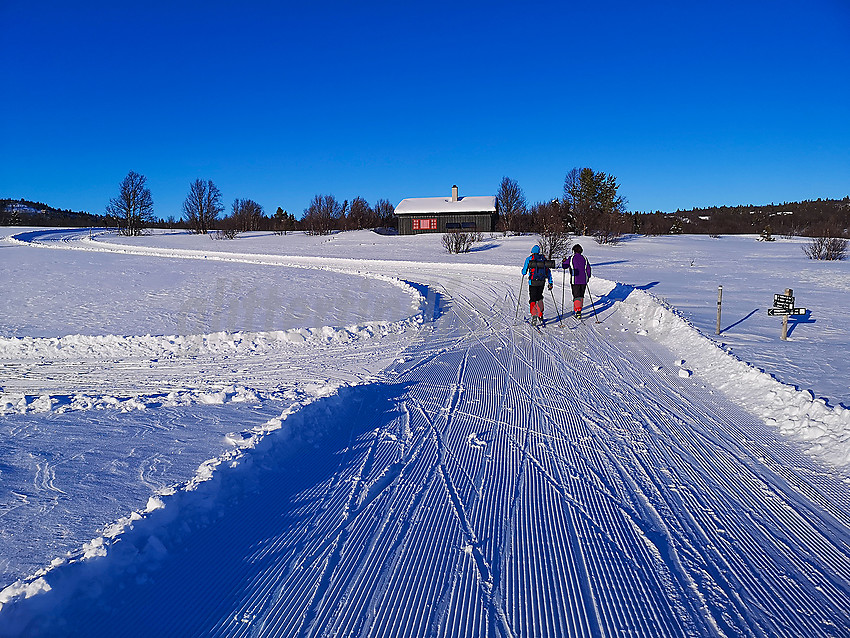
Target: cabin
447, 214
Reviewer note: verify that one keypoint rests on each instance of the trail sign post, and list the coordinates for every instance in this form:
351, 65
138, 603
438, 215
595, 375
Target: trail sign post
784, 305
719, 306
786, 311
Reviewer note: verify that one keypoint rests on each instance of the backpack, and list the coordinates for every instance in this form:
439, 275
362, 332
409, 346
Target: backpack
537, 273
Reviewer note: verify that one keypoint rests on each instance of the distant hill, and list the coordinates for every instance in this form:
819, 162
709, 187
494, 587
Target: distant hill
821, 217
790, 218
22, 212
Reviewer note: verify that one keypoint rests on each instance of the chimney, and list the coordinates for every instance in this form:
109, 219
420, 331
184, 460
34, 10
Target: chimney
454, 193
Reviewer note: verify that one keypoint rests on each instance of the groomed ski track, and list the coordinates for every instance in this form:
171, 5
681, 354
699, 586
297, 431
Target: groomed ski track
500, 480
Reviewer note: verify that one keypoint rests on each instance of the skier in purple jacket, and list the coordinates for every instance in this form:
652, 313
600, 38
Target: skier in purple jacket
579, 269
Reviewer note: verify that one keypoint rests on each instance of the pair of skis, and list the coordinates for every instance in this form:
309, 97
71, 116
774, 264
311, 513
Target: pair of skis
536, 324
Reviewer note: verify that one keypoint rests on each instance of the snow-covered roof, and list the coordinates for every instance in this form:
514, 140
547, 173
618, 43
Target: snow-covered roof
418, 205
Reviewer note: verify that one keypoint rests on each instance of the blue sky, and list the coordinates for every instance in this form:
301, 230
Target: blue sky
687, 104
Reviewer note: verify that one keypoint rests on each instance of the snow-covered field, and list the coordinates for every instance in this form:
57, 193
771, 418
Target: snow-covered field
353, 435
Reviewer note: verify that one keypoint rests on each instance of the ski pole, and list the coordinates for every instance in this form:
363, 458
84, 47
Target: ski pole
556, 307
519, 297
595, 313
564, 292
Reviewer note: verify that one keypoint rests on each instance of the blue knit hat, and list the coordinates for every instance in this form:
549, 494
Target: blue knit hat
535, 248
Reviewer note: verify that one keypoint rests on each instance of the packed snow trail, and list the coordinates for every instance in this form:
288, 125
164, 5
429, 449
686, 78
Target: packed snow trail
505, 481
497, 480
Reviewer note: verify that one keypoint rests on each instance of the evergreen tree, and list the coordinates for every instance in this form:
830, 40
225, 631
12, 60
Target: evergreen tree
594, 202
283, 221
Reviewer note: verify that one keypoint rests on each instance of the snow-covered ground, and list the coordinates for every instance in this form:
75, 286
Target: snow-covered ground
684, 271
352, 435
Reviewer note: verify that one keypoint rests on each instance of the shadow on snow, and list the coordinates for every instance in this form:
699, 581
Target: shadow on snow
435, 303
740, 321
207, 548
796, 320
619, 293
483, 247
610, 263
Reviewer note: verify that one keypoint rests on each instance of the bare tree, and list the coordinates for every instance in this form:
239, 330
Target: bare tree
202, 206
133, 208
549, 224
384, 212
827, 248
247, 215
457, 242
227, 230
610, 228
511, 203
322, 215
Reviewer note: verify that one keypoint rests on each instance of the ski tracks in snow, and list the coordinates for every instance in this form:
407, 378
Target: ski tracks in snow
562, 483
505, 481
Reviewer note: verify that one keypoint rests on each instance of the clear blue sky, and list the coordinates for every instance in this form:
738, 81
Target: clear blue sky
687, 104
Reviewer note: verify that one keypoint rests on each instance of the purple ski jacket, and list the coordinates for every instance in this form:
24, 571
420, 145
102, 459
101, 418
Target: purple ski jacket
579, 268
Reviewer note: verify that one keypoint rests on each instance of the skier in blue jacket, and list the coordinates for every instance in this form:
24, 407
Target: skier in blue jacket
537, 278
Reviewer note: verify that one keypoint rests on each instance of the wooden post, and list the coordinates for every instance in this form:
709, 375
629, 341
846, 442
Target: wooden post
719, 304
790, 293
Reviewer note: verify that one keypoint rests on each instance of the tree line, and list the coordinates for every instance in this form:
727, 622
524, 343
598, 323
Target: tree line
24, 212
326, 214
590, 204
203, 212
809, 218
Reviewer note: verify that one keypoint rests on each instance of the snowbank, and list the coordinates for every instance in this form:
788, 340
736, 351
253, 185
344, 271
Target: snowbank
17, 404
148, 346
111, 347
824, 430
137, 542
